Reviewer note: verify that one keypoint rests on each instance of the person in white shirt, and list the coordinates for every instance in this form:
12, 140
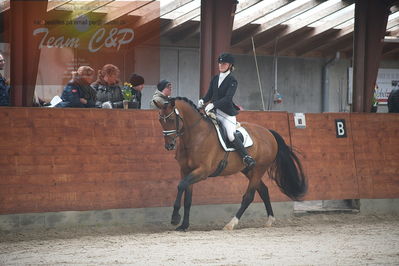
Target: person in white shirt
220, 97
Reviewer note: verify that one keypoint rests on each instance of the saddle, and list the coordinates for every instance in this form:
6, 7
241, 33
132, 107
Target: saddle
222, 135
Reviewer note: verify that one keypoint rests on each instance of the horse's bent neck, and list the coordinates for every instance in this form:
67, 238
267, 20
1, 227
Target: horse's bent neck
195, 126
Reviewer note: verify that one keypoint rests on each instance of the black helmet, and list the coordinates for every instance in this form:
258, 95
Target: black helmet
226, 58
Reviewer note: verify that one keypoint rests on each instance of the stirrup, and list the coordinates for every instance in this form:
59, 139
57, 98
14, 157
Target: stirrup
249, 161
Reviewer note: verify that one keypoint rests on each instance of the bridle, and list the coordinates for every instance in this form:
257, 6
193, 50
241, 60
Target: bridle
178, 131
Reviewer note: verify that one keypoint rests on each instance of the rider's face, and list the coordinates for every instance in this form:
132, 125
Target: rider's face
223, 67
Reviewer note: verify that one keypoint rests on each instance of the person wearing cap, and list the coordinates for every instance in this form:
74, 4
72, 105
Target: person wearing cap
162, 93
137, 83
220, 99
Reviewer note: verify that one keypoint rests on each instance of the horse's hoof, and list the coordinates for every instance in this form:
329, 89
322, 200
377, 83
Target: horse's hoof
182, 228
270, 221
175, 219
230, 226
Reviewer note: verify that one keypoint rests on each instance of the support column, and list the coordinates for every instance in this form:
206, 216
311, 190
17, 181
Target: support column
216, 27
370, 25
24, 47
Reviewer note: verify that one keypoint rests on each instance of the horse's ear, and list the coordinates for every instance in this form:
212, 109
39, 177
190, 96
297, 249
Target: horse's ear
172, 101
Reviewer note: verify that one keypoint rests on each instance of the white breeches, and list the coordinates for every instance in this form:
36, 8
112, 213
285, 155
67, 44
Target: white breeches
229, 122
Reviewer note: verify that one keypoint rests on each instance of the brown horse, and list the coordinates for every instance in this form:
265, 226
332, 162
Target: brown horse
199, 154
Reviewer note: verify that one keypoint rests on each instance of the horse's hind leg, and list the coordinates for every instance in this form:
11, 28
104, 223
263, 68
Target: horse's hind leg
246, 201
263, 192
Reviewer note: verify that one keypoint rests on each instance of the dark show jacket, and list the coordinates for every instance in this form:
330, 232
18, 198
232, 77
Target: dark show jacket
72, 94
222, 97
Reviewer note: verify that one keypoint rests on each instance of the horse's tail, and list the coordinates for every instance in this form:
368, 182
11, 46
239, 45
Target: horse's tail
287, 170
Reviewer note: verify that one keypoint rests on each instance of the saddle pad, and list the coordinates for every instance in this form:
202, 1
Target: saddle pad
247, 140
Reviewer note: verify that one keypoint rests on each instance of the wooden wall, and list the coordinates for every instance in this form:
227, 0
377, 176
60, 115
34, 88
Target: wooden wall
76, 159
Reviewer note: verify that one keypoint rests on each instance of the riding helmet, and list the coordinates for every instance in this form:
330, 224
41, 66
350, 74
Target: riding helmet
226, 58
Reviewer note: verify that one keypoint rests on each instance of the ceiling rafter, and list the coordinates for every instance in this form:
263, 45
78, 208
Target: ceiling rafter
242, 5
93, 6
394, 31
51, 5
180, 20
260, 12
294, 26
315, 43
320, 30
172, 6
124, 10
278, 20
189, 32
342, 35
147, 14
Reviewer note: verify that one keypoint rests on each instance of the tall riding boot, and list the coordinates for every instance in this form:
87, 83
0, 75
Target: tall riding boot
248, 160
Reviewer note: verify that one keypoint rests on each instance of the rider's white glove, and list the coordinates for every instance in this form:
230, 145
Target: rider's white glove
200, 103
209, 107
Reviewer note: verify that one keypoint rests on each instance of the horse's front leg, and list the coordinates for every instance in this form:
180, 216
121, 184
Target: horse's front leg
176, 207
185, 185
188, 195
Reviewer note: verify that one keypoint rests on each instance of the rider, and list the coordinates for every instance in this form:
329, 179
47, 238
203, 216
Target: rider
220, 97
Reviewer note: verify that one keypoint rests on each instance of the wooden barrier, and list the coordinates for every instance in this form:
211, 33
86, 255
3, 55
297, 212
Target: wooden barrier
79, 159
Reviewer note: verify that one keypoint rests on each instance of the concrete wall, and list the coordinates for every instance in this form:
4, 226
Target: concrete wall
299, 80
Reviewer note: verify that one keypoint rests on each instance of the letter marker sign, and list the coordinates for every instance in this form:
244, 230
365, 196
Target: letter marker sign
340, 128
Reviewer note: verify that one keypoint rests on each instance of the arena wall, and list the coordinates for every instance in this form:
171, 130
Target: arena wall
55, 160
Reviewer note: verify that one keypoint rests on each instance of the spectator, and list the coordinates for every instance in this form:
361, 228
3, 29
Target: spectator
4, 86
162, 93
78, 92
137, 83
393, 101
109, 93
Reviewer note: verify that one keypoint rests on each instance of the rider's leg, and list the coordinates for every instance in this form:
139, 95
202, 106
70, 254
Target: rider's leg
229, 122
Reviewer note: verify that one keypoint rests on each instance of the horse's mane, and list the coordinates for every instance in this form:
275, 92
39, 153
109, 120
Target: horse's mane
184, 99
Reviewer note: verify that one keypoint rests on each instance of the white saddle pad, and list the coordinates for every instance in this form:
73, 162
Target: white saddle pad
247, 138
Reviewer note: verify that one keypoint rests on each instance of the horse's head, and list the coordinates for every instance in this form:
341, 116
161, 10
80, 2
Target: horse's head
171, 123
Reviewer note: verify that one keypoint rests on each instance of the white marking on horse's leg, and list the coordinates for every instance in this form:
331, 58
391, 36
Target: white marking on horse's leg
270, 221
231, 224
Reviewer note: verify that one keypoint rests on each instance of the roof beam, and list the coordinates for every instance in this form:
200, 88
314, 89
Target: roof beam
317, 31
343, 34
124, 10
260, 12
147, 14
186, 33
278, 20
92, 6
51, 5
181, 20
172, 6
293, 26
390, 48
314, 43
394, 31
246, 4
344, 43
